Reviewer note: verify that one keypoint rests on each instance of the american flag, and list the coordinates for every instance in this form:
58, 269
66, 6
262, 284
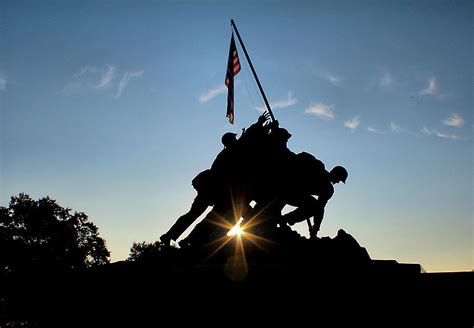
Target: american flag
233, 68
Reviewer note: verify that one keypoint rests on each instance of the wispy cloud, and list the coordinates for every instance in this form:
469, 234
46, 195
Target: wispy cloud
99, 79
290, 101
85, 70
373, 130
3, 82
209, 94
124, 81
353, 123
454, 120
426, 131
107, 75
431, 89
333, 78
321, 110
429, 132
395, 128
386, 80
89, 78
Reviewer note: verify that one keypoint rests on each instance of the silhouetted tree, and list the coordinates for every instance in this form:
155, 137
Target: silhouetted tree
145, 251
42, 234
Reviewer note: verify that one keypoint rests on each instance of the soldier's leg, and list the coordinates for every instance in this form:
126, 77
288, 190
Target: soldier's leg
297, 215
304, 210
198, 207
318, 214
202, 232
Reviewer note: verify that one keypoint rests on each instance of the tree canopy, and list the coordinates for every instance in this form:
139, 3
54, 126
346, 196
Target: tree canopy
144, 251
40, 234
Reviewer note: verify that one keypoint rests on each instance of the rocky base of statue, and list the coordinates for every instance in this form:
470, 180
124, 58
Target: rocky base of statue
280, 248
329, 281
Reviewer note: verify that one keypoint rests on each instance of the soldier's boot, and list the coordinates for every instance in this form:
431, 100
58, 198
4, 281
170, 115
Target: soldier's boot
166, 239
290, 218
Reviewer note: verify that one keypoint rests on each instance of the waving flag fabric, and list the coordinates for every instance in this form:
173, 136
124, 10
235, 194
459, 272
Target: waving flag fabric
233, 68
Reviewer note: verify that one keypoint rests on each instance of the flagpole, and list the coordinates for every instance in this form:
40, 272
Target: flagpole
253, 70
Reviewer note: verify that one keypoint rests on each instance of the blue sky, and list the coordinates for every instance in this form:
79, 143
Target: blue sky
112, 108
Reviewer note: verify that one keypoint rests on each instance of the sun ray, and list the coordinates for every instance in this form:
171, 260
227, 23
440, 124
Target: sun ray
251, 222
243, 231
257, 241
240, 247
234, 209
222, 222
218, 248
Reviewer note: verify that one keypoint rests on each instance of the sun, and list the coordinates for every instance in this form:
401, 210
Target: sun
242, 233
236, 229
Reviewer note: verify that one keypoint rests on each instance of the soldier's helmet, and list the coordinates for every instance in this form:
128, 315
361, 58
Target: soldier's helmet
282, 134
339, 173
228, 139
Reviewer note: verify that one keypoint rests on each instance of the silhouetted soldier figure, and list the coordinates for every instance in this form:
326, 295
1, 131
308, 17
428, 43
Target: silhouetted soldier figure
275, 157
234, 175
317, 184
204, 185
226, 159
223, 186
296, 178
278, 139
209, 186
255, 135
217, 222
